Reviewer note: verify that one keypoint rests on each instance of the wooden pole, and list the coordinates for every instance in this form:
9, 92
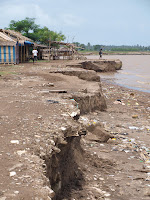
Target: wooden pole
24, 53
17, 53
21, 53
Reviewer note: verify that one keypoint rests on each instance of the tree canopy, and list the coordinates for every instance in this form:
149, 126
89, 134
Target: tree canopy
24, 26
33, 31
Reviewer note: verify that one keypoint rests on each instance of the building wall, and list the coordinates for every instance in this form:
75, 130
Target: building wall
7, 54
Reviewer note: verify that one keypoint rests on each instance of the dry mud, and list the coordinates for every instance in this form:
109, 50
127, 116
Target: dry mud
66, 136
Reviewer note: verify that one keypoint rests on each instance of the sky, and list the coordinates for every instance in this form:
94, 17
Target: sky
106, 22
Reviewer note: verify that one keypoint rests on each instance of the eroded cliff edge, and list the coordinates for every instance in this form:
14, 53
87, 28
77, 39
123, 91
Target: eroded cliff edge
44, 124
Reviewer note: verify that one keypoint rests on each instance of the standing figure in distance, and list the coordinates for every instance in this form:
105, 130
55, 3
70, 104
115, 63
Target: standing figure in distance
100, 53
34, 52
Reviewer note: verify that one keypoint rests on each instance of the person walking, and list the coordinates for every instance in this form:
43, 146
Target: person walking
34, 52
100, 53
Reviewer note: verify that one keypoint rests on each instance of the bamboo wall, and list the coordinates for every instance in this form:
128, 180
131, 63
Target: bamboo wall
7, 54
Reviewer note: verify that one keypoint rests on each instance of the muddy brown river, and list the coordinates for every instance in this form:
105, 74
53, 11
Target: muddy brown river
135, 73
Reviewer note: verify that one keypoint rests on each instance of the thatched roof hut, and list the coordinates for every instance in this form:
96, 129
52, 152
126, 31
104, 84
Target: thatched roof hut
15, 36
6, 40
58, 49
14, 47
7, 49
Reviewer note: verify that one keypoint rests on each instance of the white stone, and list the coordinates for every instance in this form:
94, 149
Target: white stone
21, 152
63, 128
14, 141
107, 195
12, 173
16, 192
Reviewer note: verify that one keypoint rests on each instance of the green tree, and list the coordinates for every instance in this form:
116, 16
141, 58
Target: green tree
89, 46
33, 31
25, 26
44, 35
77, 44
82, 46
97, 47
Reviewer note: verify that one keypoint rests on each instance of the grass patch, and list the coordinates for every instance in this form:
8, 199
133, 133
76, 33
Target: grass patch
4, 73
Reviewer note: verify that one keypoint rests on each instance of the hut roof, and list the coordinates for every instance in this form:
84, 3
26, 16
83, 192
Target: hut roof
15, 35
64, 49
6, 40
5, 37
11, 35
63, 43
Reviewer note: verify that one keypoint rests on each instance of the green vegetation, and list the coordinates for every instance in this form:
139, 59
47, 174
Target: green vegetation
31, 30
110, 48
4, 73
127, 49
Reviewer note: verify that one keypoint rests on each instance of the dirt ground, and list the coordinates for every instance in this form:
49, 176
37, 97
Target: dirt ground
123, 172
116, 170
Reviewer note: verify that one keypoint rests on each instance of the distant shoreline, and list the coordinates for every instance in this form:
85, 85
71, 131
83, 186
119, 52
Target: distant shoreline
129, 53
115, 53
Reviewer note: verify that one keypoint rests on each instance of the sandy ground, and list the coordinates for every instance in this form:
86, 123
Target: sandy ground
116, 170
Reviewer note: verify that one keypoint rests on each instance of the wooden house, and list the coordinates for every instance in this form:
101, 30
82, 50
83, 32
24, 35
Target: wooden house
59, 50
7, 49
14, 47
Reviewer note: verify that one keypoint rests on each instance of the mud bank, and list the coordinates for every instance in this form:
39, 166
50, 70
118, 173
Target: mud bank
99, 65
80, 73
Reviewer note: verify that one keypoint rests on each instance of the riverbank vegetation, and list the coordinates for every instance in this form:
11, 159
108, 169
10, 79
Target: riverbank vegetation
111, 48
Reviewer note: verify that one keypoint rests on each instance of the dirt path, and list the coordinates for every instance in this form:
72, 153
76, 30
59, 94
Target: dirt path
116, 170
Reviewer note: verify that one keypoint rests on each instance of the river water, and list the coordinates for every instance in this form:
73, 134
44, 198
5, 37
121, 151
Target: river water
135, 72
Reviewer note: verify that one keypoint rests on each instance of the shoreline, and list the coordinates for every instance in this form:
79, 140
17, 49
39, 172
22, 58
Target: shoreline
112, 81
116, 53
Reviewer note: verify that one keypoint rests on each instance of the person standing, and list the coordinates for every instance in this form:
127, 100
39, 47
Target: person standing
100, 53
34, 52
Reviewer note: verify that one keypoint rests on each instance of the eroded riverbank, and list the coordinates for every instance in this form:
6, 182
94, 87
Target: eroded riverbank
134, 74
48, 148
